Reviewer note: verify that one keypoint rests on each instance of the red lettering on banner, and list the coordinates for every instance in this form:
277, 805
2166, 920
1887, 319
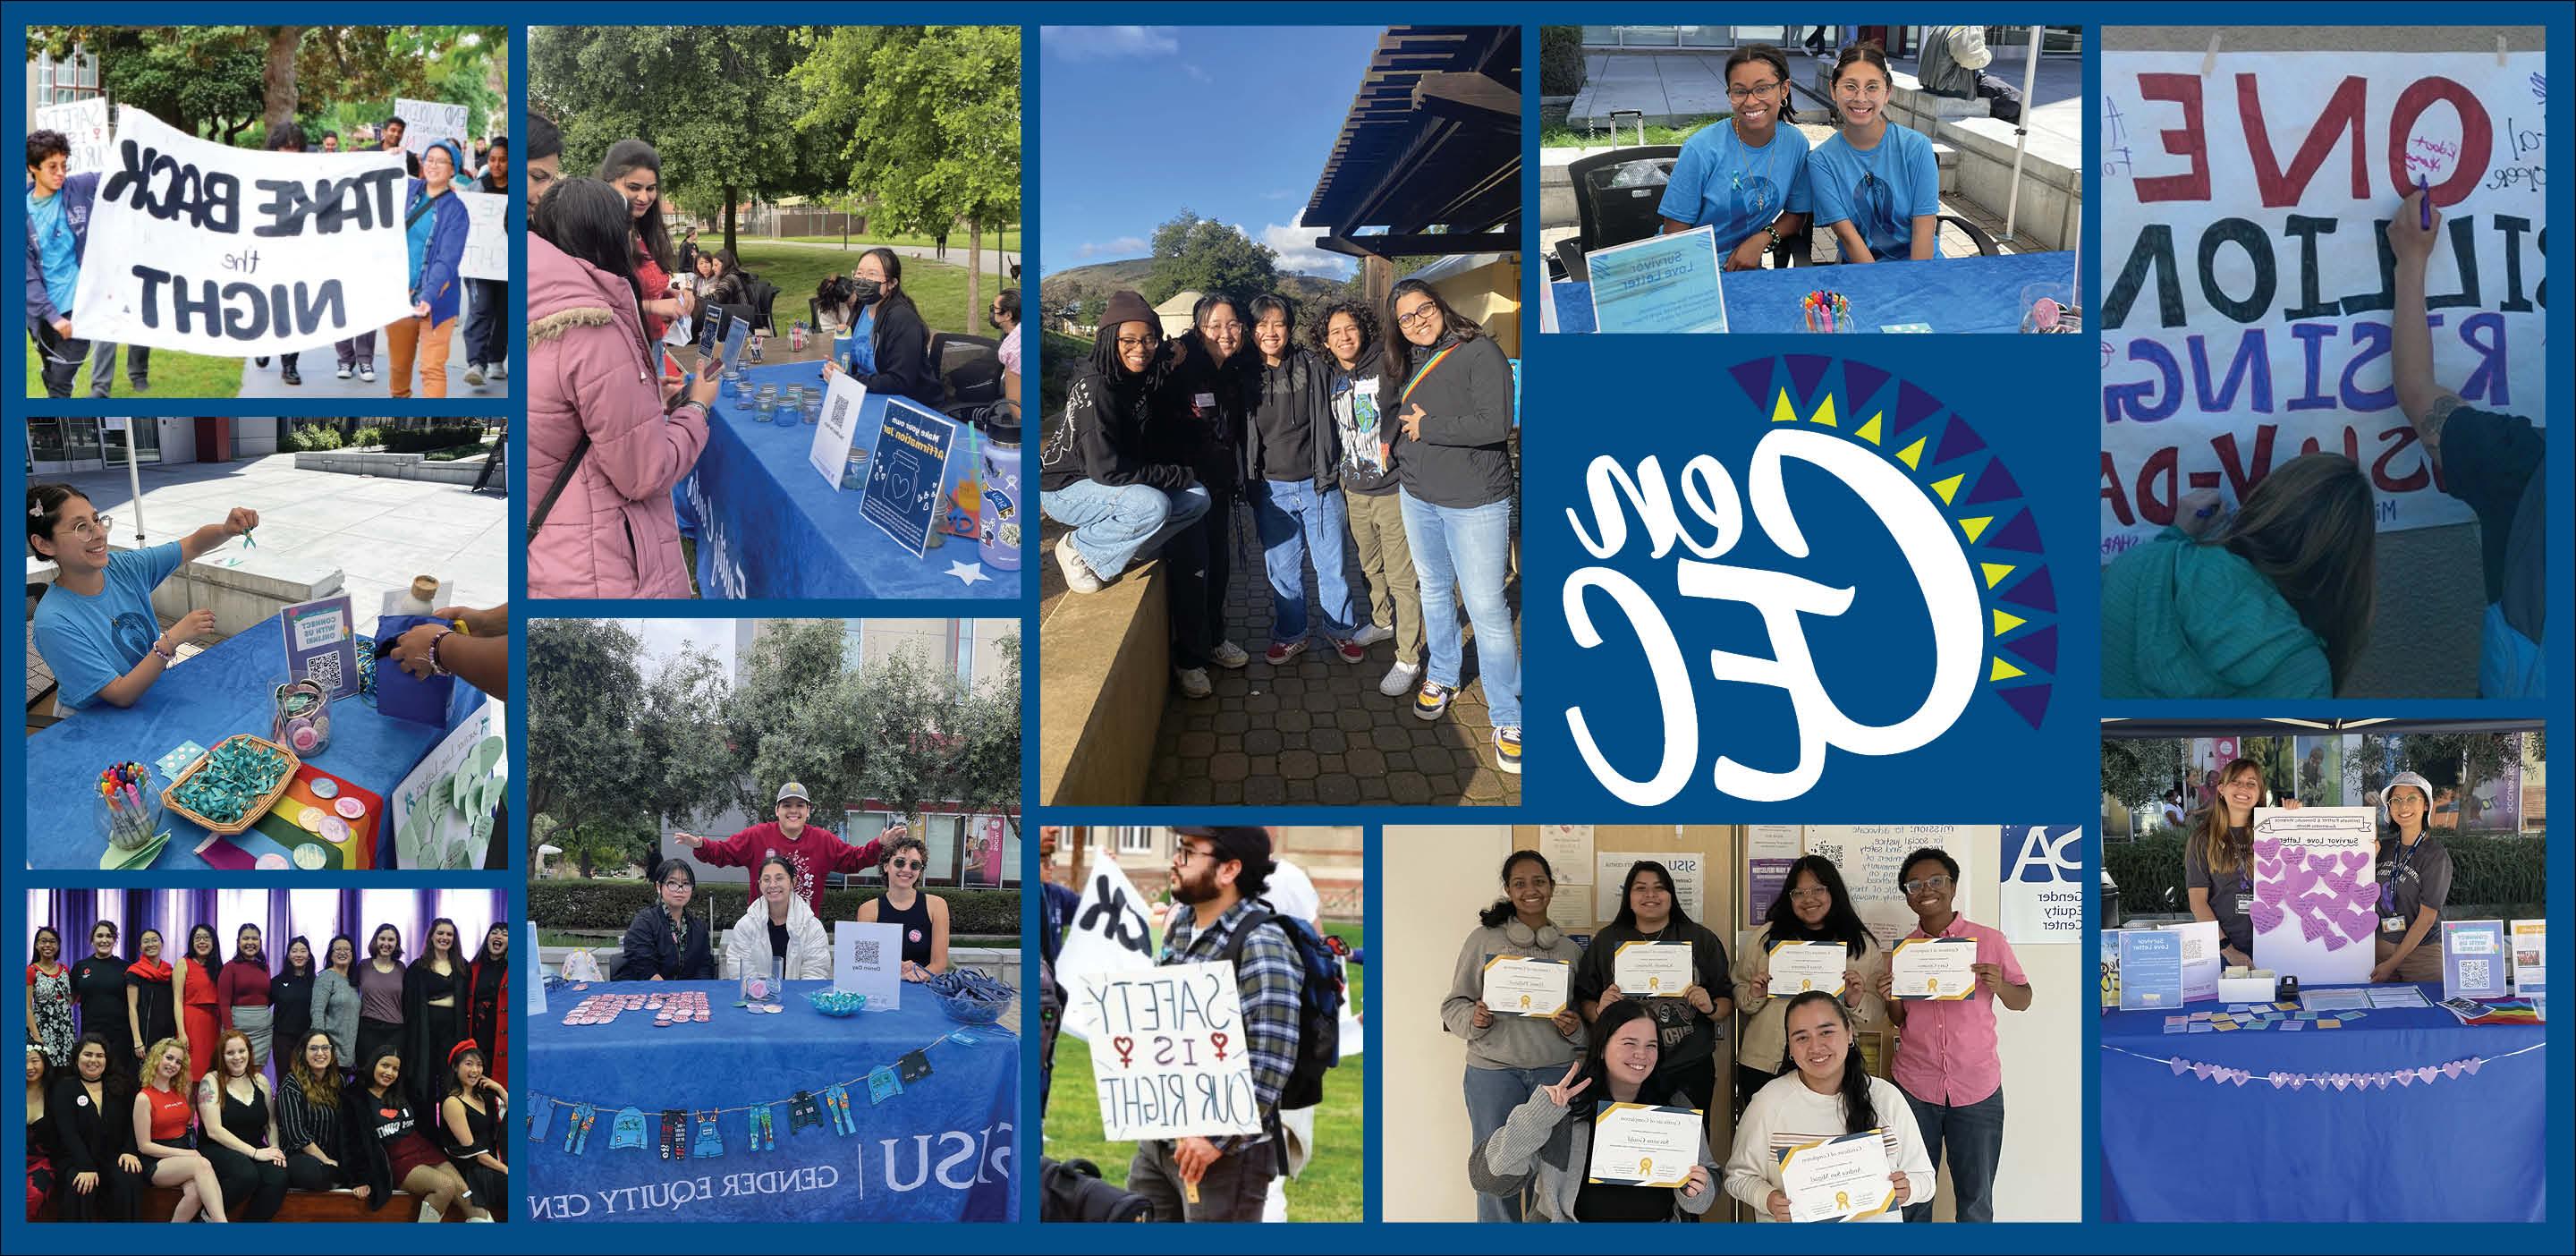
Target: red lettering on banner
2477, 137
2342, 112
2191, 140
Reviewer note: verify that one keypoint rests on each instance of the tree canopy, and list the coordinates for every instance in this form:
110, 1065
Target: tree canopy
1194, 254
219, 82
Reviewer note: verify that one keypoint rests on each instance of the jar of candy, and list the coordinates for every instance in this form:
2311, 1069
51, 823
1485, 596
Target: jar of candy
854, 473
302, 722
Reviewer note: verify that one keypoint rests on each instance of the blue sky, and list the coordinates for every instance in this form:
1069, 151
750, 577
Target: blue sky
1233, 122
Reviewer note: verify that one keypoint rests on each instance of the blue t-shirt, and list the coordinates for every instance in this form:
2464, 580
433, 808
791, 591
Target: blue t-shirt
416, 236
863, 343
90, 641
1880, 192
1719, 182
56, 253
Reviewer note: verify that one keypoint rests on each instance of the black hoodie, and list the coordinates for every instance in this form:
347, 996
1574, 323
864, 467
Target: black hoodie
1289, 434
1102, 438
1199, 409
1463, 457
1359, 425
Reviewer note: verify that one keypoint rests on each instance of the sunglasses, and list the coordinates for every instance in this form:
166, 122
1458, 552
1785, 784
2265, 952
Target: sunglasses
903, 865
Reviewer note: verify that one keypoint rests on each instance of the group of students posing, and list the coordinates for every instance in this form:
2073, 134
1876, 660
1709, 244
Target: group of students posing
1800, 1076
388, 1075
1391, 428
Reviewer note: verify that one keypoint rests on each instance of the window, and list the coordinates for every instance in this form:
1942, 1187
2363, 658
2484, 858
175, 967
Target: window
944, 834
1137, 841
961, 648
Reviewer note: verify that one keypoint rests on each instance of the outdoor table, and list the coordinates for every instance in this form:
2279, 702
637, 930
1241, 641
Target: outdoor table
767, 526
1947, 294
222, 691
940, 1150
2178, 1148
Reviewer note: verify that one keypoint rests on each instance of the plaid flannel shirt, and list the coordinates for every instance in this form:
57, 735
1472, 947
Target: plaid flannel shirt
1271, 979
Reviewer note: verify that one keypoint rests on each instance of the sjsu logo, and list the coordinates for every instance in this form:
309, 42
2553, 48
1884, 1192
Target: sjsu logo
1967, 553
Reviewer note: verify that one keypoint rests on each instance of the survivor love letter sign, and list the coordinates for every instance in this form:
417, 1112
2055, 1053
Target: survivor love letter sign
234, 253
1168, 1054
2248, 286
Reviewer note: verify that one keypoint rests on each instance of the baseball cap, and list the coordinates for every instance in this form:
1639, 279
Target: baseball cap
795, 790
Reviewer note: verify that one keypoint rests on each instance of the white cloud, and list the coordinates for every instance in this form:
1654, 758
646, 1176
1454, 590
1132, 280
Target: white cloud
1109, 43
1122, 247
1282, 194
1196, 74
1295, 245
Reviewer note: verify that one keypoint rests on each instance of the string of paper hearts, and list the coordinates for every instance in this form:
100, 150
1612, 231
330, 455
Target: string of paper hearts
2380, 1079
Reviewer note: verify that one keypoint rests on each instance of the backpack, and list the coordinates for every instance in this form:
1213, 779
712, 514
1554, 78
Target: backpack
1319, 1006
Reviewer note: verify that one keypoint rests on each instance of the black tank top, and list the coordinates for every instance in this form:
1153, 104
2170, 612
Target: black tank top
246, 1119
915, 923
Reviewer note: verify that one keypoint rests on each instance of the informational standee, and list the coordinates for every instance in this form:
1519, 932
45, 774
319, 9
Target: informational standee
1168, 1052
487, 235
908, 474
84, 123
2044, 871
1872, 860
2315, 895
233, 252
2247, 287
1610, 879
427, 121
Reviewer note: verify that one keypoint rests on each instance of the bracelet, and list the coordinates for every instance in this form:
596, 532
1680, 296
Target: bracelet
1772, 230
168, 654
436, 667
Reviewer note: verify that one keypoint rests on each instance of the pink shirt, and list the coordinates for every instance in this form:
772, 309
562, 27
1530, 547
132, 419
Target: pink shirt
1946, 1053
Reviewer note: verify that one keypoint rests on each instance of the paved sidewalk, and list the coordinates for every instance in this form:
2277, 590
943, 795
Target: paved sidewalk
317, 364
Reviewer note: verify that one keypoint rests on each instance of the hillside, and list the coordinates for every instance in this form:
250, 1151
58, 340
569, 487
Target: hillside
1102, 278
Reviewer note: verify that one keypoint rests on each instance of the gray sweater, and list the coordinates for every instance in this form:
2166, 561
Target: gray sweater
335, 1012
1511, 1041
1538, 1143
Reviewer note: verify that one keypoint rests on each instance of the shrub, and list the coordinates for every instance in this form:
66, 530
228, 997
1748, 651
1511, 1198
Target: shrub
607, 905
1560, 60
367, 438
319, 436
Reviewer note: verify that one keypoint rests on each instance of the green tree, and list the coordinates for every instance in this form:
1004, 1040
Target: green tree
1194, 254
783, 720
693, 768
987, 777
2459, 761
2136, 771
217, 81
586, 763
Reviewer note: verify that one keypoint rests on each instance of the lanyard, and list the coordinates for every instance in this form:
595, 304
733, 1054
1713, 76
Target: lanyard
1420, 375
2397, 871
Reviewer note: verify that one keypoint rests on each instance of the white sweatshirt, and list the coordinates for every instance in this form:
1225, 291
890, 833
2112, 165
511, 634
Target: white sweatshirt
1785, 1113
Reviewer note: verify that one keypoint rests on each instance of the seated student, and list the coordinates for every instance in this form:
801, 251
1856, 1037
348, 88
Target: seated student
923, 917
1953, 64
664, 942
1947, 1062
473, 1115
2490, 460
2272, 603
1093, 470
101, 1177
308, 1119
164, 1136
1548, 1139
95, 626
1877, 185
778, 927
388, 1148
239, 1117
1828, 1095
889, 344
1748, 177
834, 302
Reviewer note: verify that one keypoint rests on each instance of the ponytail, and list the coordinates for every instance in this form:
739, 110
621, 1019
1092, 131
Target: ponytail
1859, 1113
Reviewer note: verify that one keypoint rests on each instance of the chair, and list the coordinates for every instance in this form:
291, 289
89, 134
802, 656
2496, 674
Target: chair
1608, 211
969, 368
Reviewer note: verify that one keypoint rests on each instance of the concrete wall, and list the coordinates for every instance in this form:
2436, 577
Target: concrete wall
242, 597
1100, 701
382, 466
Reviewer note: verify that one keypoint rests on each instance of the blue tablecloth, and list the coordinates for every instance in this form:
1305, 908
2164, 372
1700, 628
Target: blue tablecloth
942, 1150
218, 693
1949, 294
2177, 1148
767, 526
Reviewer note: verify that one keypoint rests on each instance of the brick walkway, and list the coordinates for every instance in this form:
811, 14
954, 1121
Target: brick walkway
1317, 731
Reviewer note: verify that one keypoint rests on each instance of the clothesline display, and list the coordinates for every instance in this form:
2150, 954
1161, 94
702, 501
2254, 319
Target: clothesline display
2351, 1082
691, 1133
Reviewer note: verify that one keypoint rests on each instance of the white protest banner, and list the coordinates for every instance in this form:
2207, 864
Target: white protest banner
1168, 1053
2316, 895
84, 124
487, 235
839, 428
1109, 933
2247, 284
427, 121
1610, 879
2043, 883
235, 253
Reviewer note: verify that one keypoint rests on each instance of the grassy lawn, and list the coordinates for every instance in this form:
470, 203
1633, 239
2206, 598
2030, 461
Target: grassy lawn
1335, 1184
939, 289
173, 374
1561, 136
1009, 242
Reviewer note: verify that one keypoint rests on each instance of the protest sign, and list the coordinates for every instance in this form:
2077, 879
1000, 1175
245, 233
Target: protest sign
1168, 1053
426, 122
84, 123
2247, 283
236, 253
1109, 933
487, 235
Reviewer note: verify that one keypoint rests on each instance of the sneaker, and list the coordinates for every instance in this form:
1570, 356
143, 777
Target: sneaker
1371, 634
1194, 682
1228, 655
1282, 651
259, 362
1399, 679
138, 384
290, 377
500, 370
1507, 749
367, 371
1433, 701
474, 375
1078, 574
342, 373
1350, 650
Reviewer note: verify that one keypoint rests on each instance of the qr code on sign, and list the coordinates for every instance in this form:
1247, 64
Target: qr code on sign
325, 670
2475, 973
864, 953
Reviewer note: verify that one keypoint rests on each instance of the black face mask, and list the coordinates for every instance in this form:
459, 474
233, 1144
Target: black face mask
995, 320
866, 290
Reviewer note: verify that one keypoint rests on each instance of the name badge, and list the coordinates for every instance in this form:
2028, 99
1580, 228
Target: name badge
1203, 400
2393, 924
2244, 904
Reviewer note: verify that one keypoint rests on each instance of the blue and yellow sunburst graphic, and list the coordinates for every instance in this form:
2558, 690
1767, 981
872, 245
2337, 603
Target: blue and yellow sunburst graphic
1943, 454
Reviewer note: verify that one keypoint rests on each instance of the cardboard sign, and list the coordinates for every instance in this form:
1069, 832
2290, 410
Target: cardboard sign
84, 123
2316, 896
839, 428
908, 473
487, 235
1168, 1053
320, 645
868, 959
2245, 305
428, 121
235, 253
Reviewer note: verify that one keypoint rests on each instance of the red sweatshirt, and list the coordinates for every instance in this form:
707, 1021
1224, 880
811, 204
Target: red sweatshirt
814, 851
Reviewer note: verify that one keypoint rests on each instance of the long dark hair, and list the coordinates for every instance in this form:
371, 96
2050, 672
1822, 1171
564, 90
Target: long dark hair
483, 954
1597, 1043
45, 504
322, 963
112, 1082
36, 942
1779, 64
1842, 921
366, 1078
1398, 363
1493, 917
1104, 353
1865, 52
586, 219
429, 944
625, 155
286, 958
2219, 850
1628, 914
1859, 1113
215, 949
238, 956
888, 301
370, 956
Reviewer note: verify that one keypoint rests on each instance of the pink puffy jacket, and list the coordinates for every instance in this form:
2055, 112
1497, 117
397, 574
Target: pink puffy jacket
613, 533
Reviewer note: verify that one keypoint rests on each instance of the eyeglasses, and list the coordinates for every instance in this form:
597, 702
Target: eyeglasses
1927, 883
89, 531
1135, 342
1811, 894
1747, 93
1422, 314
1188, 853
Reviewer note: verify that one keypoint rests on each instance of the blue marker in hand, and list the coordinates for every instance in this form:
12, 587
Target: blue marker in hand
2424, 207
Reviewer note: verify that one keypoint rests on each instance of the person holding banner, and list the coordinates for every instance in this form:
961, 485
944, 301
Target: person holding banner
487, 338
2218, 860
1546, 1141
922, 917
434, 228
810, 848
1812, 906
285, 139
1947, 1062
1097, 474
2414, 874
1877, 186
1747, 179
58, 209
95, 626
602, 455
2489, 460
1830, 1094
664, 942
1511, 1054
889, 344
777, 927
1690, 1021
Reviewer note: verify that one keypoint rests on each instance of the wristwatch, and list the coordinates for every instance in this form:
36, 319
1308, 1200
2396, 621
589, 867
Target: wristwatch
437, 667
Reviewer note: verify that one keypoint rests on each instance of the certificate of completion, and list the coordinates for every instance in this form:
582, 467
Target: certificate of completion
1652, 970
1933, 968
1638, 1144
1797, 967
1516, 985
1837, 1179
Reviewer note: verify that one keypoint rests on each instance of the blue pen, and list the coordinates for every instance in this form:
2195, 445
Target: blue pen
2424, 208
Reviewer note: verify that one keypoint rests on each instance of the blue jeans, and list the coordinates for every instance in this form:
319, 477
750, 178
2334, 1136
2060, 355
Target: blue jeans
1112, 524
1468, 551
1492, 1093
1295, 521
1975, 1133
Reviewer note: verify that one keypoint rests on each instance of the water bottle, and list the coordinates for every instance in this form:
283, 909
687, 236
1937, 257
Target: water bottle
998, 522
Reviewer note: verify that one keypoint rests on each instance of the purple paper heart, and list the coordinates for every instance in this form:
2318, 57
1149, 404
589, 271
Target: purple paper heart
2340, 1081
2267, 847
2240, 1076
2380, 1080
2406, 1077
2426, 1074
2302, 878
2452, 1070
2202, 1070
2292, 853
2177, 1064
2354, 860
2297, 1080
2471, 1065
2267, 870
2266, 915
2311, 926
2357, 924
2336, 883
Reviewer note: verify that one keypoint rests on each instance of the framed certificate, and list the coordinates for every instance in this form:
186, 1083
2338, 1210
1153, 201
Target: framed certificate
1517, 985
1933, 968
1639, 1144
1797, 967
1652, 970
1837, 1179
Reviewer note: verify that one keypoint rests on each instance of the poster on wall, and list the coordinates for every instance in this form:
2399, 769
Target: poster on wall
2044, 874
1567, 849
2245, 300
1610, 878
2315, 897
1769, 849
1871, 858
2318, 762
